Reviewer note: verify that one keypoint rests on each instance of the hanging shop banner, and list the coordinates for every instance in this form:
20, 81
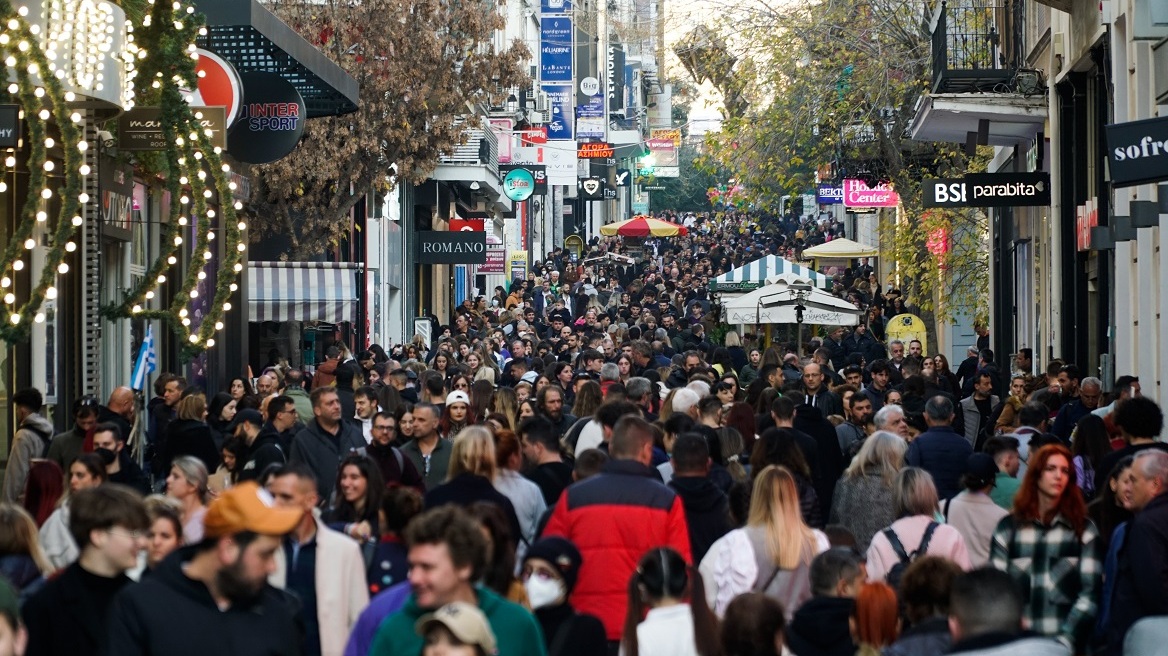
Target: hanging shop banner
595, 150
555, 49
665, 164
496, 257
624, 178
9, 126
592, 188
219, 85
673, 134
615, 78
827, 194
466, 225
503, 129
590, 117
451, 247
538, 174
518, 184
555, 6
271, 120
988, 190
1137, 152
559, 125
858, 194
1086, 218
560, 157
140, 128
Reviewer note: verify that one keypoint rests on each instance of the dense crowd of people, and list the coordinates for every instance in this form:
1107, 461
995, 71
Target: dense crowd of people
590, 463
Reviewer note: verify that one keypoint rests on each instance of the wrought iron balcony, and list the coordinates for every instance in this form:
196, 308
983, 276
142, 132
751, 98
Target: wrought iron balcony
977, 45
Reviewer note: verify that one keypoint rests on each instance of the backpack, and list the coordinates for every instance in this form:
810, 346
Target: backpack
46, 439
897, 571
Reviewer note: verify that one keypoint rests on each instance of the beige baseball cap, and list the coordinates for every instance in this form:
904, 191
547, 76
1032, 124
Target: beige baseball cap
465, 621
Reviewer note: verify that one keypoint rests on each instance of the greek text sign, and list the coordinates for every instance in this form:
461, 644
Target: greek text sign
451, 247
1137, 152
988, 190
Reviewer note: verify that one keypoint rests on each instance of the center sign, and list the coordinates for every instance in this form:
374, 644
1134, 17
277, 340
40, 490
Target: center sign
988, 190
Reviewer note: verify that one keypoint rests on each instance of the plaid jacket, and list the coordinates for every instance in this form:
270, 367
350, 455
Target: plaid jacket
1059, 571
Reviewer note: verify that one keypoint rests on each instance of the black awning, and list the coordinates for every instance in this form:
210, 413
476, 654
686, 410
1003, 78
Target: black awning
253, 39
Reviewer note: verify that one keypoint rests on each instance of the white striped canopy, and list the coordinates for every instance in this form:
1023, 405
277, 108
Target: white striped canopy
302, 291
753, 275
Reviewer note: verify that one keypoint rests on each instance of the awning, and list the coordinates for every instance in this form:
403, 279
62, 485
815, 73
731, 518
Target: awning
841, 248
775, 304
303, 291
754, 275
252, 38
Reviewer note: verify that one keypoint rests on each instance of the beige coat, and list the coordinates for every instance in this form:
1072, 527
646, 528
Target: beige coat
341, 590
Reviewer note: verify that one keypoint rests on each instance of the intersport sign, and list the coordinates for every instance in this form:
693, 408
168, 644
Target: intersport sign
1137, 152
988, 190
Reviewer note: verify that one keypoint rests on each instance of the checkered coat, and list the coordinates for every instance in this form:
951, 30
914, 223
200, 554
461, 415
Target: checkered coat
1059, 572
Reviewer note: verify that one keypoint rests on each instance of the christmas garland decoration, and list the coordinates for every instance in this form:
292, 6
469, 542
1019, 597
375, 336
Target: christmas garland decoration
195, 174
20, 47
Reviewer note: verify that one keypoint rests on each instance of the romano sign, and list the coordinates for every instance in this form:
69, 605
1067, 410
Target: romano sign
988, 190
1137, 152
451, 247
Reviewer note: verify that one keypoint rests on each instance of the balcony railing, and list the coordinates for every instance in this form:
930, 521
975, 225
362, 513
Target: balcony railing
977, 45
480, 148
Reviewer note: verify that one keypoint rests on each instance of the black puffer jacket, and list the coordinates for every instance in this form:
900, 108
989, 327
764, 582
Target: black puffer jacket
707, 512
820, 628
187, 437
168, 613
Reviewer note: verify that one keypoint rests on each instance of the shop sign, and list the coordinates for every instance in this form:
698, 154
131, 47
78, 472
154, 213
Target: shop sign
595, 150
988, 190
1138, 152
9, 126
858, 194
218, 85
538, 173
624, 178
828, 194
555, 49
451, 247
140, 128
561, 122
518, 184
517, 265
466, 225
592, 188
271, 119
615, 78
1086, 217
496, 259
673, 134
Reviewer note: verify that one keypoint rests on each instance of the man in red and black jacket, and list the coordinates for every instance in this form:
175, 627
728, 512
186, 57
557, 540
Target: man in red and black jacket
614, 518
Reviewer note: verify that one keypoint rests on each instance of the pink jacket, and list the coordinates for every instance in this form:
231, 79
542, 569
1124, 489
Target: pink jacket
947, 543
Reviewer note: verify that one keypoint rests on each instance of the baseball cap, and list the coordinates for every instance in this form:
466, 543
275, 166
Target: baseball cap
249, 415
457, 397
465, 621
248, 507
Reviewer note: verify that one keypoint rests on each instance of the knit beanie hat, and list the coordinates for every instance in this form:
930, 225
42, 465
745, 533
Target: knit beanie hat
562, 554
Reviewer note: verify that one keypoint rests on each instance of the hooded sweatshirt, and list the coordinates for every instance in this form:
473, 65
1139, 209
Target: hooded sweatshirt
707, 512
820, 628
29, 443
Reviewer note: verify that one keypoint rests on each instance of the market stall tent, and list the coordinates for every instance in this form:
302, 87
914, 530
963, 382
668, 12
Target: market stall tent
759, 306
754, 275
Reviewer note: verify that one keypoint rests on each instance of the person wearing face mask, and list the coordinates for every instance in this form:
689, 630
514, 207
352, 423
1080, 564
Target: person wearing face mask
549, 574
109, 445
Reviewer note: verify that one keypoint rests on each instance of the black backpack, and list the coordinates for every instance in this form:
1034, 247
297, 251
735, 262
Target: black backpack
46, 439
897, 571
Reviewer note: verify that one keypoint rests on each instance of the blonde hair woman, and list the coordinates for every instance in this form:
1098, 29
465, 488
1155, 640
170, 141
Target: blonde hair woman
486, 369
22, 560
772, 554
505, 402
187, 483
471, 475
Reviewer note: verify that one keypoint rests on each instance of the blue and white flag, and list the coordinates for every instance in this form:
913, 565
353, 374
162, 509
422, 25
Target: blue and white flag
147, 361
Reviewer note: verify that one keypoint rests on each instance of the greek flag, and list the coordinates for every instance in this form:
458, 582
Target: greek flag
147, 361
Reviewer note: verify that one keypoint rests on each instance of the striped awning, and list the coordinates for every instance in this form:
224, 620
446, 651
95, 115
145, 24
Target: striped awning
303, 291
754, 274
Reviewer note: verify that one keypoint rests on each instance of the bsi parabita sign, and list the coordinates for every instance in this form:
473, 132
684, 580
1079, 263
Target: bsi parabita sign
451, 247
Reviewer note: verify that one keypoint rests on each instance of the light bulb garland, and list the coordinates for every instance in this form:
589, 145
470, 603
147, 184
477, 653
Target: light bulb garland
188, 159
19, 47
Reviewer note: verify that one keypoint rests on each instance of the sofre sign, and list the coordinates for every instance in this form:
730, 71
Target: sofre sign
1137, 152
595, 150
988, 190
451, 247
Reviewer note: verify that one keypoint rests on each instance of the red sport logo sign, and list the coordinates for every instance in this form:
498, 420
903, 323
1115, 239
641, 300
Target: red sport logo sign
219, 85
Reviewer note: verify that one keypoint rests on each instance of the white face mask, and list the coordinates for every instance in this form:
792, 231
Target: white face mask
543, 592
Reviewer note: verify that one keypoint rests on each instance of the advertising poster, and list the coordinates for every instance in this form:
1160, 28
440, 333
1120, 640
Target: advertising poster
560, 123
555, 50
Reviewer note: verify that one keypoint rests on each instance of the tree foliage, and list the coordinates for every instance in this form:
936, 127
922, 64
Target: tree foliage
423, 67
688, 193
834, 86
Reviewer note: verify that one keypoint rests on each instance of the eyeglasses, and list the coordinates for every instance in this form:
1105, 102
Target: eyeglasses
383, 428
460, 386
133, 535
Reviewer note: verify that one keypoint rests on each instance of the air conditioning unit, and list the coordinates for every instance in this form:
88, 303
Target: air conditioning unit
541, 102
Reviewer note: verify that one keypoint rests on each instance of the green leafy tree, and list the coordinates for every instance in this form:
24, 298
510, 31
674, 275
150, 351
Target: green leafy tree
690, 192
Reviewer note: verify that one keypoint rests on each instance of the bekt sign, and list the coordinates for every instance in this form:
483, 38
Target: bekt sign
451, 247
1137, 152
858, 194
828, 194
988, 190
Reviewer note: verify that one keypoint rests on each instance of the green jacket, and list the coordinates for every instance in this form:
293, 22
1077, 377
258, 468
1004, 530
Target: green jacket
1005, 487
516, 630
302, 401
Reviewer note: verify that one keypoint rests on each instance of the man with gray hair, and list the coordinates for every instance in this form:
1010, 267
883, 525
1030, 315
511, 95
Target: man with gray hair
609, 373
891, 418
940, 450
1141, 581
639, 390
685, 401
1090, 392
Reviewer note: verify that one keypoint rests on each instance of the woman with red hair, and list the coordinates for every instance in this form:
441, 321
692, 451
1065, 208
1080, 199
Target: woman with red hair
876, 618
43, 490
1051, 548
